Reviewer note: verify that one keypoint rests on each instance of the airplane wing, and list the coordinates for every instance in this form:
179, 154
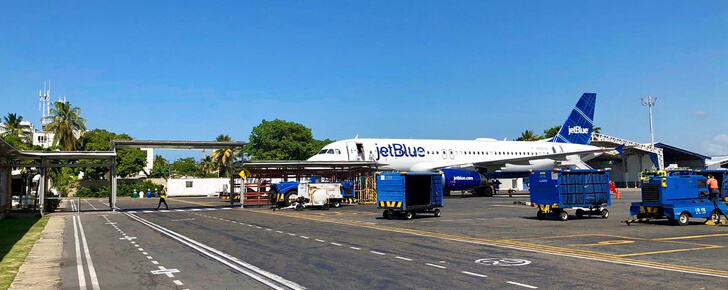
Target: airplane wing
512, 160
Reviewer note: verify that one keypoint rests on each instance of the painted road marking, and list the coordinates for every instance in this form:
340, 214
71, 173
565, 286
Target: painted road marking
355, 248
522, 246
260, 275
145, 253
604, 243
150, 258
291, 234
305, 237
91, 205
140, 249
127, 238
178, 282
79, 261
163, 271
474, 274
279, 232
155, 262
403, 258
89, 262
378, 253
436, 266
335, 244
322, 241
522, 285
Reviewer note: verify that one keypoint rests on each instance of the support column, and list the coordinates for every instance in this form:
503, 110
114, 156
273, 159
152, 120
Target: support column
112, 195
41, 185
232, 190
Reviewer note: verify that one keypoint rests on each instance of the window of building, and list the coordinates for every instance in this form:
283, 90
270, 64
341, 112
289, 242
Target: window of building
188, 184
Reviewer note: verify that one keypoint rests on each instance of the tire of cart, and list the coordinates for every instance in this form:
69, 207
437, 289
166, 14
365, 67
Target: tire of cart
409, 215
563, 215
540, 215
604, 213
579, 213
438, 213
683, 219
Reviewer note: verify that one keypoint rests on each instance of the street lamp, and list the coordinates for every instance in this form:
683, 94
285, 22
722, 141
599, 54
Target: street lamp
650, 102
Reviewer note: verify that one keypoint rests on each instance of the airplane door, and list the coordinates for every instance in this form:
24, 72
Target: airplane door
351, 151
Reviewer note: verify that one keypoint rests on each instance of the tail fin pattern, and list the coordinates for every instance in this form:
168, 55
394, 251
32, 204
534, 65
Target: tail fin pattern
579, 125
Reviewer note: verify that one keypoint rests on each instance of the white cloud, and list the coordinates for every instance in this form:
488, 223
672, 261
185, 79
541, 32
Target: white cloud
700, 114
717, 146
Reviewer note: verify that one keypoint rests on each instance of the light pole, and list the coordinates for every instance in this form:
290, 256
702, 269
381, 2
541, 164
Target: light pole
650, 102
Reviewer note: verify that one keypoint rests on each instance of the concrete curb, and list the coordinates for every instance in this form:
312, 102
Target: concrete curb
42, 267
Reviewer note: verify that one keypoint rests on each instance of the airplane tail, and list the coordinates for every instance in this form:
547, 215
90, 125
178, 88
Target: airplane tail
579, 125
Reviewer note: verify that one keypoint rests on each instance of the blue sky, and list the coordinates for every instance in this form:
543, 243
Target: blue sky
191, 70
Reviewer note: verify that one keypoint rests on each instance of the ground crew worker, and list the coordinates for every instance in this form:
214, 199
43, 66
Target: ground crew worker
162, 196
713, 187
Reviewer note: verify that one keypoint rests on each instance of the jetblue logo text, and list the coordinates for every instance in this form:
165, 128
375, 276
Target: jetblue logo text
399, 150
468, 178
578, 130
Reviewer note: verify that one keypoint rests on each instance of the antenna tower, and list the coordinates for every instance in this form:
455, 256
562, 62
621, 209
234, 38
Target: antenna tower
45, 103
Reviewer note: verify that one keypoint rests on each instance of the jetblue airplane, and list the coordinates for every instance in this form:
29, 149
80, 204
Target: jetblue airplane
467, 164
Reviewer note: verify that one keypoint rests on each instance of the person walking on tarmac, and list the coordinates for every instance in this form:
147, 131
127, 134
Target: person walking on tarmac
713, 187
162, 196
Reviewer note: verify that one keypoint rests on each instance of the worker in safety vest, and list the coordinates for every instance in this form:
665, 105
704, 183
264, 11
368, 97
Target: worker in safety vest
713, 187
162, 196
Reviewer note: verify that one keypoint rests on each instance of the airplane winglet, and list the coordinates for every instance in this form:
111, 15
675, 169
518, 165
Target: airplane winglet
620, 149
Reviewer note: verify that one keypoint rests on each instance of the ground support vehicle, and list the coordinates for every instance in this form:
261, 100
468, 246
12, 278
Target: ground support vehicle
290, 193
677, 198
409, 193
584, 190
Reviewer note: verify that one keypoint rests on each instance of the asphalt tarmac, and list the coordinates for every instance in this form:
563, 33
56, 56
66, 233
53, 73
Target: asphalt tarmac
478, 242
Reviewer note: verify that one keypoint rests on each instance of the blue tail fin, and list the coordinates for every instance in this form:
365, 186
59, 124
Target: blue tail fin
578, 128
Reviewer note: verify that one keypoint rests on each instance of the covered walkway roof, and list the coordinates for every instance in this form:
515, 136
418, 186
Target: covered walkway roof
166, 144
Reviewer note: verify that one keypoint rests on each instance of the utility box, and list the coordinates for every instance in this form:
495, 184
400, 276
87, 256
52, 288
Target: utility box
408, 193
585, 190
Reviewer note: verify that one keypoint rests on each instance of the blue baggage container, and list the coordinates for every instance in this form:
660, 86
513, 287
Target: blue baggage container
408, 193
585, 190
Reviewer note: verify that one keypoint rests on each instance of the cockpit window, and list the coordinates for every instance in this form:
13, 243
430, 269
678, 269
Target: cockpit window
331, 151
322, 151
338, 152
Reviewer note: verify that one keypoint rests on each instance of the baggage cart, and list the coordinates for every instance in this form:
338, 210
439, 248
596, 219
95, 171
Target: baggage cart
408, 193
584, 190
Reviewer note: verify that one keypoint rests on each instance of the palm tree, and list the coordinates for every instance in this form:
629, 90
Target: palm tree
65, 122
528, 136
222, 157
14, 126
207, 165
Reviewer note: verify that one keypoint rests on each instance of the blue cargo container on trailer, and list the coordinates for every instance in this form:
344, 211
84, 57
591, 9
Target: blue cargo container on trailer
409, 193
585, 190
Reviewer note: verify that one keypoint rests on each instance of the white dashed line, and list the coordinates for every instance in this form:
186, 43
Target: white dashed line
140, 249
474, 274
436, 266
155, 262
290, 234
268, 229
305, 237
355, 248
149, 257
378, 253
522, 285
279, 232
403, 258
322, 241
335, 244
145, 253
178, 282
257, 227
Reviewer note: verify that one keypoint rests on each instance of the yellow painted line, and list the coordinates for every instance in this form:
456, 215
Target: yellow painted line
560, 237
543, 249
670, 251
692, 237
603, 243
664, 240
512, 206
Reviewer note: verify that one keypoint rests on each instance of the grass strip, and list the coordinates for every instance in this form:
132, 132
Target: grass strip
17, 237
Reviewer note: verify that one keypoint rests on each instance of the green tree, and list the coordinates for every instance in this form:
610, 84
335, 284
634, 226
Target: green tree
14, 126
17, 142
186, 167
222, 158
207, 165
160, 167
282, 140
65, 122
129, 161
551, 132
528, 136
